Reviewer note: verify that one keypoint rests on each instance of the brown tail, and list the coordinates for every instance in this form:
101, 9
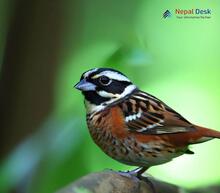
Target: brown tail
210, 133
205, 134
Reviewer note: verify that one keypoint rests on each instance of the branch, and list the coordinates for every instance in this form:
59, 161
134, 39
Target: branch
112, 182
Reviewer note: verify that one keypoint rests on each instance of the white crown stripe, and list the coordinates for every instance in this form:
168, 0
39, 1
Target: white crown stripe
89, 72
114, 75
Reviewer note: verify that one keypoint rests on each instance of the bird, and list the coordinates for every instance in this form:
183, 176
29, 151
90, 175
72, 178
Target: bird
132, 126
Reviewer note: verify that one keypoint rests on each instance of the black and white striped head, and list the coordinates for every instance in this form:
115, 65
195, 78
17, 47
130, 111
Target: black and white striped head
103, 86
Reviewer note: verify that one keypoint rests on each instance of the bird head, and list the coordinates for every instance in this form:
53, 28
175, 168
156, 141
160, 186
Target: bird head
104, 86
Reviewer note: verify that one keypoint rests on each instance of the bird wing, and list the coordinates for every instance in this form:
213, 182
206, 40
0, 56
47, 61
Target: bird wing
146, 114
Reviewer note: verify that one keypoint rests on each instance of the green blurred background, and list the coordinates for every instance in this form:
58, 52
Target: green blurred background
45, 45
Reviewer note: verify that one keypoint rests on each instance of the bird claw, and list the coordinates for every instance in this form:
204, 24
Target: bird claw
136, 176
130, 174
133, 173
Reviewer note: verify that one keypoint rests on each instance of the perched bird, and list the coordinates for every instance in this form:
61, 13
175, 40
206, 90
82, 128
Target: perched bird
132, 126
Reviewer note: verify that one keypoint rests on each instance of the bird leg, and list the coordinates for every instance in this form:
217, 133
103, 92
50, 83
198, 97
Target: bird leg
140, 171
136, 174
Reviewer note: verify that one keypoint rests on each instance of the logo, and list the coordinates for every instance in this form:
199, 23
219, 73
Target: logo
167, 14
191, 13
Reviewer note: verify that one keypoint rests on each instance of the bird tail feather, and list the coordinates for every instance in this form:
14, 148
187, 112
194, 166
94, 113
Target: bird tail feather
206, 134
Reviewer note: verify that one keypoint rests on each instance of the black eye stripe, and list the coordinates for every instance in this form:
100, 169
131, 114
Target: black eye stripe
116, 87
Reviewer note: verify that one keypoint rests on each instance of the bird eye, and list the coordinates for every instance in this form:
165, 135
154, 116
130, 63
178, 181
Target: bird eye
104, 80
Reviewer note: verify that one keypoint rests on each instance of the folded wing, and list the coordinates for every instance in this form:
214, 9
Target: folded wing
145, 113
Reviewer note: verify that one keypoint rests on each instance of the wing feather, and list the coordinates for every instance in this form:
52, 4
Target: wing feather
145, 113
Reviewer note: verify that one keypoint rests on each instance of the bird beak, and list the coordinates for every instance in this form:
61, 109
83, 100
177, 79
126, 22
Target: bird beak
83, 85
